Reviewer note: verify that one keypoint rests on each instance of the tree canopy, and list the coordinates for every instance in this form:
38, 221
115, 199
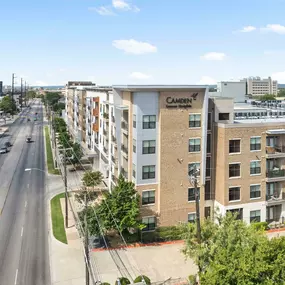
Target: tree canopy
232, 252
52, 98
281, 93
92, 178
267, 97
8, 105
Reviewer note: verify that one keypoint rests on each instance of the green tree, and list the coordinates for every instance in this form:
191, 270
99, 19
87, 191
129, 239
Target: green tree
77, 154
65, 139
267, 97
31, 94
58, 107
281, 93
232, 252
121, 207
52, 98
59, 125
92, 178
92, 222
8, 105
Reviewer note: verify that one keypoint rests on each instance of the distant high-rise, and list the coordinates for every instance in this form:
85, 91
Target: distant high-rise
1, 88
257, 86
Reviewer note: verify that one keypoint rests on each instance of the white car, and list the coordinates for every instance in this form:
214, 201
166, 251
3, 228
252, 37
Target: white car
3, 150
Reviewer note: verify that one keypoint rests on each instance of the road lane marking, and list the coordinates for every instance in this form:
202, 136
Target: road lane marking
16, 277
28, 185
22, 231
26, 204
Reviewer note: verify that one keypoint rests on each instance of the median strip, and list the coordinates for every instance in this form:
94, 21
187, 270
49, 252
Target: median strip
50, 162
57, 219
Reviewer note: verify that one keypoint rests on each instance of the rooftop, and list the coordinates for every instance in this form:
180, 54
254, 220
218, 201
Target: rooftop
158, 87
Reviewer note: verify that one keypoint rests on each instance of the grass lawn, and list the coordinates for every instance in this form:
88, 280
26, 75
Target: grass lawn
57, 219
50, 164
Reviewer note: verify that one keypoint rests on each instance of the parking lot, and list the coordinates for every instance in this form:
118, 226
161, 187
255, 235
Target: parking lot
158, 262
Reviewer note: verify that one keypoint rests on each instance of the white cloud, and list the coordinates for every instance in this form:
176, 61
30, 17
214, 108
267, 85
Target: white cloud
123, 5
103, 11
134, 47
206, 80
139, 75
275, 28
214, 56
279, 76
248, 29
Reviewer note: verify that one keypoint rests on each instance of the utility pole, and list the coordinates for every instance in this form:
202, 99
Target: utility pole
193, 178
65, 187
86, 242
25, 93
21, 94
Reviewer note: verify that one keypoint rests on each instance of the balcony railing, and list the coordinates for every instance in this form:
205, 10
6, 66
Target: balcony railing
104, 132
113, 158
275, 173
114, 178
124, 172
106, 116
114, 140
275, 149
105, 150
125, 149
125, 126
113, 119
276, 196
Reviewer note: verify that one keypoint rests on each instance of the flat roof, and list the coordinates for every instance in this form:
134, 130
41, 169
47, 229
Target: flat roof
258, 121
158, 87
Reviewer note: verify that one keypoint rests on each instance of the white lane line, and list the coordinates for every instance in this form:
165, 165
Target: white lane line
16, 277
28, 185
22, 231
26, 204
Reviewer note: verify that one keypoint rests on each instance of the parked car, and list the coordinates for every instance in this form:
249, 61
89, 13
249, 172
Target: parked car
8, 144
3, 150
28, 139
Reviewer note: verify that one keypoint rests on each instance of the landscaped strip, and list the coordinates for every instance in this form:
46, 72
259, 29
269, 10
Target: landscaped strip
57, 219
50, 163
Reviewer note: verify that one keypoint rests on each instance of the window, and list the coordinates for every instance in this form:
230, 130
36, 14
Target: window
224, 116
255, 143
191, 217
192, 167
255, 216
149, 222
148, 172
209, 142
207, 212
134, 170
234, 170
255, 191
134, 121
134, 145
208, 190
209, 127
148, 197
149, 122
194, 120
148, 147
234, 193
237, 212
255, 167
191, 194
208, 167
234, 146
194, 145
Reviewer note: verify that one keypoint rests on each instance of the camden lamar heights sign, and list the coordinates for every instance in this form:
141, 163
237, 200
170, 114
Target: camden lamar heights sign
184, 102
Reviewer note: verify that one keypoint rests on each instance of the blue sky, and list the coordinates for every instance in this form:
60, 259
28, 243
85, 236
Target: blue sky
142, 41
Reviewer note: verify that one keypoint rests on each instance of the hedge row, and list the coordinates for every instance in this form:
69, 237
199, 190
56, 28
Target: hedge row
126, 281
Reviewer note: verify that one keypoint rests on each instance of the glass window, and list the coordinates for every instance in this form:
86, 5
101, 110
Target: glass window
234, 193
255, 191
134, 170
255, 167
194, 120
255, 216
192, 167
224, 116
194, 145
234, 170
148, 197
149, 122
191, 217
209, 127
237, 212
208, 190
191, 194
148, 172
209, 142
134, 121
207, 212
255, 143
148, 147
150, 223
134, 145
234, 146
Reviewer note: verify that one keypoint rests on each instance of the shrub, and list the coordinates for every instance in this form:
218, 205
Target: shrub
170, 233
105, 283
192, 279
123, 281
260, 226
140, 279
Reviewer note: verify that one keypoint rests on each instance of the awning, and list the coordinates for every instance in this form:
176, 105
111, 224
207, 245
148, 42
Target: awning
276, 132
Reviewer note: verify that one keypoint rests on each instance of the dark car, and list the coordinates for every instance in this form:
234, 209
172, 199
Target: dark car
28, 139
8, 144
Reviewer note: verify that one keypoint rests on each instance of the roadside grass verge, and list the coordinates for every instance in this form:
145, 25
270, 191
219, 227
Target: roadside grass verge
57, 218
50, 163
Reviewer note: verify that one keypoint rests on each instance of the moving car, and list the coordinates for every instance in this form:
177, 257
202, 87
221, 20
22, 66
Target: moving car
28, 139
3, 150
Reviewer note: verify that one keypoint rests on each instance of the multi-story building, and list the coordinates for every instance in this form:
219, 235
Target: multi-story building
156, 135
257, 86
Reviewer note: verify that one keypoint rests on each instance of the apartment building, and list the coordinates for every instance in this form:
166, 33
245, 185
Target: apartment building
257, 86
156, 135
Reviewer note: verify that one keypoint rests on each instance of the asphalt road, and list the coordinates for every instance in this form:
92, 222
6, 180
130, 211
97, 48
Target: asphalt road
24, 257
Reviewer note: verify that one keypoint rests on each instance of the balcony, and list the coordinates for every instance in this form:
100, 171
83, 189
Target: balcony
125, 151
125, 127
277, 197
114, 178
106, 117
96, 112
113, 119
274, 175
275, 151
113, 159
114, 140
124, 172
105, 150
104, 132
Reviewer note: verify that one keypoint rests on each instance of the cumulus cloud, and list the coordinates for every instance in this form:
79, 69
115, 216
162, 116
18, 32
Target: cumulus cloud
134, 47
103, 11
214, 56
275, 28
248, 29
123, 5
139, 75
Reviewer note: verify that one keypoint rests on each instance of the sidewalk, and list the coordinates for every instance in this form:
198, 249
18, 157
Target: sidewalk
66, 261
